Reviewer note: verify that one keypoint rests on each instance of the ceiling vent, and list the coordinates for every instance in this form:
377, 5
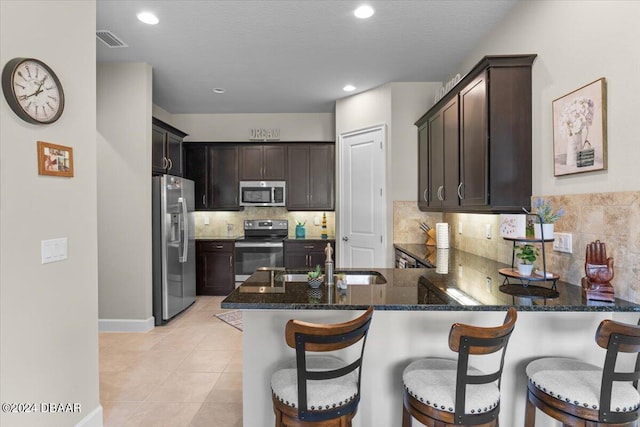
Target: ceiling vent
110, 39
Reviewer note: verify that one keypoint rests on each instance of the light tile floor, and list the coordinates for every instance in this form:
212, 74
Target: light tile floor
185, 374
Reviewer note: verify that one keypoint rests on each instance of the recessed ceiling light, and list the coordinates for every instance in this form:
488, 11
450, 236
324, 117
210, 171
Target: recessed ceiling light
349, 88
364, 12
218, 90
148, 18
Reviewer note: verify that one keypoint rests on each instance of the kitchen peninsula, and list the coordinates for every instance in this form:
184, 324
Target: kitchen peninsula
414, 312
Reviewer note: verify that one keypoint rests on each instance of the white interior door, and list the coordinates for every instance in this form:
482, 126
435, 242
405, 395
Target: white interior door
362, 199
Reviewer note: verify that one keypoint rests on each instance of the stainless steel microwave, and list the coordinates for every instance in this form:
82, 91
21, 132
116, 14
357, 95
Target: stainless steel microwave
262, 193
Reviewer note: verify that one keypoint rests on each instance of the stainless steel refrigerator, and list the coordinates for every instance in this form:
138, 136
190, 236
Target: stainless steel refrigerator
174, 247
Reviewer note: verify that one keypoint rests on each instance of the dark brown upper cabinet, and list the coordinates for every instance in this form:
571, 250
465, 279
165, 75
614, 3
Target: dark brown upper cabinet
214, 169
474, 144
166, 148
262, 162
310, 176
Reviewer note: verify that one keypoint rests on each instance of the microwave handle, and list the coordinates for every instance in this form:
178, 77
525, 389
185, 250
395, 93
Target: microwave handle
273, 194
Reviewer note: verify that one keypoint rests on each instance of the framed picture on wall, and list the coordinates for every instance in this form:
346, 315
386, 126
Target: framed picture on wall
55, 159
580, 130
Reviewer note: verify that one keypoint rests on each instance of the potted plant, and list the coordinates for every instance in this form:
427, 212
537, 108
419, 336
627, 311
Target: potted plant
527, 254
315, 277
545, 213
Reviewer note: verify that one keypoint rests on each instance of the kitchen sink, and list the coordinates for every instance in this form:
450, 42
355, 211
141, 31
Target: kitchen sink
350, 277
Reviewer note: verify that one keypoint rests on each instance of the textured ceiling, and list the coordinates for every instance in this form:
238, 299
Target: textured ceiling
290, 56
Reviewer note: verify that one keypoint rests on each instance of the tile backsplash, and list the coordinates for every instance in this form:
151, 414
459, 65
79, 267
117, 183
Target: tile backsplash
612, 218
230, 224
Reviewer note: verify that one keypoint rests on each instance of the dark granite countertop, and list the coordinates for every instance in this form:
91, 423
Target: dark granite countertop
218, 238
466, 276
309, 239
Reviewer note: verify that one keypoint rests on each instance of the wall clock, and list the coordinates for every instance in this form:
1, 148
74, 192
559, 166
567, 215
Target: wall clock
32, 90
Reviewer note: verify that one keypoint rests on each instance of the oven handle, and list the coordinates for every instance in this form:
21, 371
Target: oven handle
259, 244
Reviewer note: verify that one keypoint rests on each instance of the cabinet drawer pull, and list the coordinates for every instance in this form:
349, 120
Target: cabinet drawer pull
459, 193
309, 246
219, 246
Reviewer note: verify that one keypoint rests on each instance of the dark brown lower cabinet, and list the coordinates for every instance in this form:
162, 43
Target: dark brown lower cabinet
215, 272
307, 254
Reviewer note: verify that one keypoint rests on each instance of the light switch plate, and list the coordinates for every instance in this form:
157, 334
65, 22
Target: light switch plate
53, 250
563, 242
487, 230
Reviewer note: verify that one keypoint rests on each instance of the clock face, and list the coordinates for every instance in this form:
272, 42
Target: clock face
32, 90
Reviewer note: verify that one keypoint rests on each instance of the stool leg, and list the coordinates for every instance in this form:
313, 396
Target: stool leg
406, 417
530, 413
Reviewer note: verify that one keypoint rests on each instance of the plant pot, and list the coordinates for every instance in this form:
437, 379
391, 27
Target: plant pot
315, 283
525, 269
547, 230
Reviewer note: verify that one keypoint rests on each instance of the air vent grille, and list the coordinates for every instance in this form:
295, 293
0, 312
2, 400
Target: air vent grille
110, 39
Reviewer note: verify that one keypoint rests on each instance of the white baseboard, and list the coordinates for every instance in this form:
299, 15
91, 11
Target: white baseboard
94, 419
126, 325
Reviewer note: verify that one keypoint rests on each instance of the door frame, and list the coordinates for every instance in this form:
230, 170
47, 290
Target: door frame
385, 186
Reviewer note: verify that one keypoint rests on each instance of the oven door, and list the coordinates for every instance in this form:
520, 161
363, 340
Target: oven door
252, 255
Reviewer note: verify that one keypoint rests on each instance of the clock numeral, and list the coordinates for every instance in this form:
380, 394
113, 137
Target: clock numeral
22, 76
26, 67
18, 84
52, 97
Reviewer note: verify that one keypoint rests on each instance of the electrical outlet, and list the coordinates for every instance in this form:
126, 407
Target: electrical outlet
53, 250
206, 220
488, 284
487, 230
563, 242
460, 227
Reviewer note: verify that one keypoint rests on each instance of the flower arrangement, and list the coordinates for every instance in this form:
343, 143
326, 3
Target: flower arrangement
300, 223
545, 211
576, 116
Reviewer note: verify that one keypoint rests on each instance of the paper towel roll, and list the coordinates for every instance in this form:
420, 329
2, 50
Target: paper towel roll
442, 261
442, 235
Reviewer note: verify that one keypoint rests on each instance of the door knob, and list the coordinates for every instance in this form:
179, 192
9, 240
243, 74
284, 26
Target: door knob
345, 238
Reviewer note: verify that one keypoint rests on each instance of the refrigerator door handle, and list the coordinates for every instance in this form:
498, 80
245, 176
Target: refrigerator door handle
185, 230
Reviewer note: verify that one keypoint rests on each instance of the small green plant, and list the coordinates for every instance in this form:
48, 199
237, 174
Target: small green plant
526, 253
314, 274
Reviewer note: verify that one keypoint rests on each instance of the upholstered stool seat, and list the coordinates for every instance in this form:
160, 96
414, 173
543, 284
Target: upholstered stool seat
578, 383
321, 395
442, 392
580, 394
433, 382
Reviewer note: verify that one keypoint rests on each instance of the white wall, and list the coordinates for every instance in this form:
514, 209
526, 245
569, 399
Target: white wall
577, 42
398, 106
124, 195
48, 313
235, 127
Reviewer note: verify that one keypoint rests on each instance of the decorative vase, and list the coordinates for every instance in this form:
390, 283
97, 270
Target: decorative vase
574, 144
547, 230
299, 231
525, 269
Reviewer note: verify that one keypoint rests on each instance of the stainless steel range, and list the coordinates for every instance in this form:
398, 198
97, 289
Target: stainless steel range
261, 246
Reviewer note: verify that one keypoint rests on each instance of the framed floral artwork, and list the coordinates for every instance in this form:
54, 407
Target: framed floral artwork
580, 130
55, 159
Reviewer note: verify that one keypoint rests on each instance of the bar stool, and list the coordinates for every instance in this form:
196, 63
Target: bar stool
324, 390
443, 392
584, 395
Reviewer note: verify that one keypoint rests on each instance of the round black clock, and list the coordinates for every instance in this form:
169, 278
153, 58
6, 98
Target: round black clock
32, 90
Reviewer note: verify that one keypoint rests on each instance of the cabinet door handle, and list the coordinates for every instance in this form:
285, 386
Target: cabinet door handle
424, 195
204, 200
460, 189
170, 164
440, 192
231, 261
165, 162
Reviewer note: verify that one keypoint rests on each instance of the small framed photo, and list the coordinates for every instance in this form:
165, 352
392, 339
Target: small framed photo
580, 130
55, 159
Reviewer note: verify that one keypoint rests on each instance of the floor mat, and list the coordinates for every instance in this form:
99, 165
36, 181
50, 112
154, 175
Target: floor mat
233, 318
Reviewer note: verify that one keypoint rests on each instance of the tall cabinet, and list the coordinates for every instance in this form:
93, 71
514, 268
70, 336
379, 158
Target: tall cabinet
214, 170
474, 144
166, 148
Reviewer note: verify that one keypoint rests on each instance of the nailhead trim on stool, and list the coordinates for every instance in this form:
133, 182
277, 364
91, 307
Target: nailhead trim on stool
578, 383
321, 395
433, 382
